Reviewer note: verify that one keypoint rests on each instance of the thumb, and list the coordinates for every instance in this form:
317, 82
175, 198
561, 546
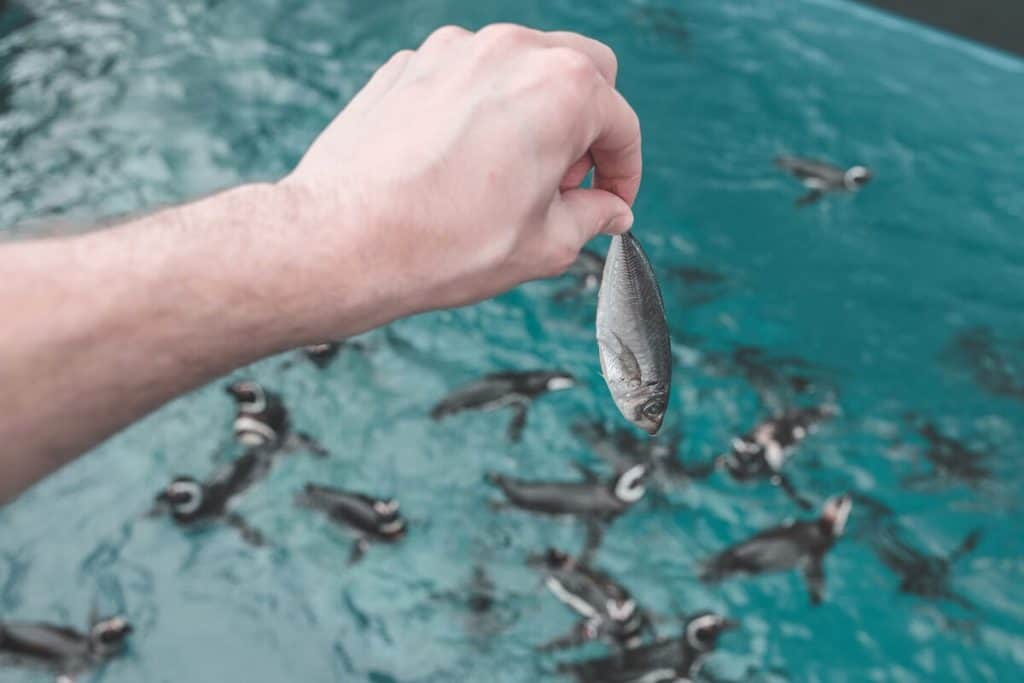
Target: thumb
596, 211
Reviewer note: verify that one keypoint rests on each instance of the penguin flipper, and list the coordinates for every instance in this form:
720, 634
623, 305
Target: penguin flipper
359, 548
579, 635
514, 433
810, 198
966, 546
814, 575
303, 441
592, 542
250, 534
784, 483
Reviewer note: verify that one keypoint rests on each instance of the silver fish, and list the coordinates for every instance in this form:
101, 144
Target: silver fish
632, 335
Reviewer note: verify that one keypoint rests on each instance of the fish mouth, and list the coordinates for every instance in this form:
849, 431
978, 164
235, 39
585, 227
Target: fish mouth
649, 425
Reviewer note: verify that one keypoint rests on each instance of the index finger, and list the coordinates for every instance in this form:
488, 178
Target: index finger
616, 144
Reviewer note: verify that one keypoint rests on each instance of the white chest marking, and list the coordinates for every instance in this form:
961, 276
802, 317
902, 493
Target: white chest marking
576, 603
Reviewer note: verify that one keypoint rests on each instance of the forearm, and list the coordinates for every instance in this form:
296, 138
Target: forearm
105, 327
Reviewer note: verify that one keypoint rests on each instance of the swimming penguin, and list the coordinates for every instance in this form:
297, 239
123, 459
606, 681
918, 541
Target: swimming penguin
996, 363
263, 420
674, 660
607, 609
596, 502
762, 452
586, 270
794, 545
511, 389
950, 458
927, 576
372, 519
820, 177
621, 449
66, 651
195, 503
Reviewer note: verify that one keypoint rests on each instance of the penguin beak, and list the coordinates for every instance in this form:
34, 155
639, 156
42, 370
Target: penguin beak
728, 625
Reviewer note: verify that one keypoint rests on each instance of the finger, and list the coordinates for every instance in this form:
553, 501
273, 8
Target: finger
616, 145
594, 212
602, 55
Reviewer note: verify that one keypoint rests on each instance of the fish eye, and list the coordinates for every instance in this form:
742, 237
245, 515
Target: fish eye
654, 408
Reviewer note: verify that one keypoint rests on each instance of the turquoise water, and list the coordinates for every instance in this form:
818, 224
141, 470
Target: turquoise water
107, 108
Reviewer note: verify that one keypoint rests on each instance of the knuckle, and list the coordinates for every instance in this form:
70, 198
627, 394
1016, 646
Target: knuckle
572, 64
504, 34
446, 34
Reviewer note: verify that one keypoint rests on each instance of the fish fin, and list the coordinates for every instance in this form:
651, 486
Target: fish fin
303, 441
810, 198
619, 362
814, 576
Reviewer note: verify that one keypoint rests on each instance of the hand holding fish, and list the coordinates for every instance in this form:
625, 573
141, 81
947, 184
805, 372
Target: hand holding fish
454, 175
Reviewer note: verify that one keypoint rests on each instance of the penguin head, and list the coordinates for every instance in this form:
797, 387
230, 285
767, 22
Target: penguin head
250, 396
389, 521
835, 513
703, 629
184, 496
856, 177
629, 486
558, 381
554, 559
107, 636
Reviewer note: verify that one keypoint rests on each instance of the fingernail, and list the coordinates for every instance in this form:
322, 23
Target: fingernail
620, 224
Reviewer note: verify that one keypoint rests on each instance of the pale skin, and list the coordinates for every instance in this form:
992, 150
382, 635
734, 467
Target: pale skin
452, 176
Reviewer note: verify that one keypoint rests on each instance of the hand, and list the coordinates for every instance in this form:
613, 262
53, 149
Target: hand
454, 174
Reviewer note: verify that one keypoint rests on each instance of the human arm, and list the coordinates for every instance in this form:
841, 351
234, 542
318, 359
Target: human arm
452, 176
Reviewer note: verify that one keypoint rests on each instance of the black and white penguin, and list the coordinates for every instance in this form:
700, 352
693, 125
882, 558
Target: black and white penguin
595, 502
762, 452
621, 449
63, 650
794, 545
607, 608
372, 519
921, 574
196, 503
262, 420
515, 390
675, 660
820, 177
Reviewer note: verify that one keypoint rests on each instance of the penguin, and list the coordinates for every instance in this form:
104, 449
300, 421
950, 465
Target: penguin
586, 272
262, 420
621, 449
762, 452
511, 389
608, 610
993, 362
372, 519
322, 355
674, 660
596, 502
923, 575
794, 545
193, 503
950, 458
64, 650
820, 177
